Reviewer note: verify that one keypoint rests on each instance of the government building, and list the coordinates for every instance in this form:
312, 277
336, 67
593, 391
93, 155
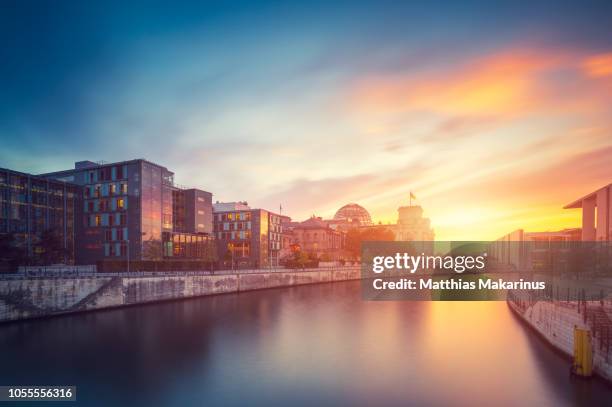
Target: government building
410, 226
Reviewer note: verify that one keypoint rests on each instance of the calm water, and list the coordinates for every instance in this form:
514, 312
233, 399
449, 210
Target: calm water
309, 345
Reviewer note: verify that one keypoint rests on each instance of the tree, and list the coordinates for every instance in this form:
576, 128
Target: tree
210, 251
353, 242
152, 249
52, 248
11, 254
325, 257
302, 259
355, 237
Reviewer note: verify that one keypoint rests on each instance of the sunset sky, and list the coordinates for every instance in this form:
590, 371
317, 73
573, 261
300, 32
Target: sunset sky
494, 116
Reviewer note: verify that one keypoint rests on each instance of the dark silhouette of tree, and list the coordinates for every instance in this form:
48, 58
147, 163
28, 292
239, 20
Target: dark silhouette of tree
210, 252
11, 254
354, 238
52, 248
152, 249
302, 259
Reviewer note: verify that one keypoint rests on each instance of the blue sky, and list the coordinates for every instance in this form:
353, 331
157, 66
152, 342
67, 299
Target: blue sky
271, 102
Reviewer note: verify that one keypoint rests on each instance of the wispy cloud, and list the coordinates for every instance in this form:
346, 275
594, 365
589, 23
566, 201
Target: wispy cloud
313, 113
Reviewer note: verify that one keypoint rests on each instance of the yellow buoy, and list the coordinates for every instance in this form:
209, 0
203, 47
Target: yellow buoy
583, 352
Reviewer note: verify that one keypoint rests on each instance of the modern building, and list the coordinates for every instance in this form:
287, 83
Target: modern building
596, 214
247, 238
317, 237
133, 210
231, 206
286, 247
31, 205
564, 235
533, 251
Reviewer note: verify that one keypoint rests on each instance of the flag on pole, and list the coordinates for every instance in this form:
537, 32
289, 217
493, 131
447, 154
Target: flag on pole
412, 195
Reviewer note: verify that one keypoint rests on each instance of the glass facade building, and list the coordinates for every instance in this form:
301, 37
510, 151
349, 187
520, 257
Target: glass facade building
248, 238
129, 213
31, 205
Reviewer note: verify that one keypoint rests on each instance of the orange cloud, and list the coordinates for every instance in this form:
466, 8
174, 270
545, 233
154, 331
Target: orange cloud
599, 65
498, 84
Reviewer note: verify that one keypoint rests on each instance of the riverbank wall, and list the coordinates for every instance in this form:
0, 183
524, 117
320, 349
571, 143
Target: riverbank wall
555, 323
35, 297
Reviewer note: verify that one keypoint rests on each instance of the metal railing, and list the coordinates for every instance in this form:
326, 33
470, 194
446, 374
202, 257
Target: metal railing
78, 273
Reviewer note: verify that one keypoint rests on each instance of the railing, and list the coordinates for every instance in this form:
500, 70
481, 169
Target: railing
596, 314
64, 268
71, 274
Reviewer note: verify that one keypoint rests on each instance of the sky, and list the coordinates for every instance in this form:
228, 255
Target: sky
494, 115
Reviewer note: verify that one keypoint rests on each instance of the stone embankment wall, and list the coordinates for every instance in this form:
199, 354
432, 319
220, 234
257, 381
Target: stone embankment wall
32, 297
555, 322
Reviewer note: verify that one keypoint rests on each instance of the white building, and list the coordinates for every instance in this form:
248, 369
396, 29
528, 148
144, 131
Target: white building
596, 214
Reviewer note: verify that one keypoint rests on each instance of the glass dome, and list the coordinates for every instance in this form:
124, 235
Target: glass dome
355, 214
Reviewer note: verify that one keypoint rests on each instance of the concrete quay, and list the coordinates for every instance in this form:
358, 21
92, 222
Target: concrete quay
555, 322
35, 297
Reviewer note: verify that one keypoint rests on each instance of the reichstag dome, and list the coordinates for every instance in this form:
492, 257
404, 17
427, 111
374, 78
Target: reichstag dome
355, 214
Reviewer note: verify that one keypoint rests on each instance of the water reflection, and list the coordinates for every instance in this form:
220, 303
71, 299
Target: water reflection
316, 344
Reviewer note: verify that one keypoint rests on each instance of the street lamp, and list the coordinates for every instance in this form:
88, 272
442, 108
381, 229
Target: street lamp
128, 255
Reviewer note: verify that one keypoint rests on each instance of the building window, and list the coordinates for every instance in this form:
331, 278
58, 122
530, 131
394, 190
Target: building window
120, 203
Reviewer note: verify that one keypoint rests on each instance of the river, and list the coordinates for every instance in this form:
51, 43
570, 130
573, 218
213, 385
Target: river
306, 345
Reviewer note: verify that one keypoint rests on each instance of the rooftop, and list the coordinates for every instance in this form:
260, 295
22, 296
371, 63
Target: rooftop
578, 202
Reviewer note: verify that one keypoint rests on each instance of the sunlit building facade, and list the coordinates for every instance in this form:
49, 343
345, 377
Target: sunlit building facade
31, 205
129, 212
315, 236
247, 238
